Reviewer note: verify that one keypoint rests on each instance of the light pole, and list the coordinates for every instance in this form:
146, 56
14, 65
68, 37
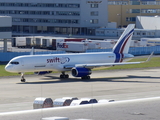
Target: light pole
85, 27
70, 25
140, 10
118, 21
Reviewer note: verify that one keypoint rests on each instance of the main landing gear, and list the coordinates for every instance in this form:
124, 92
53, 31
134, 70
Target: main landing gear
22, 78
85, 77
63, 75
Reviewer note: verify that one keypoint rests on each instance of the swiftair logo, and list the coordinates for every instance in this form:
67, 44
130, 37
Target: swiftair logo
61, 60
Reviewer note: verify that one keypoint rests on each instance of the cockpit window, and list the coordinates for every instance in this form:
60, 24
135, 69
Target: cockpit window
14, 62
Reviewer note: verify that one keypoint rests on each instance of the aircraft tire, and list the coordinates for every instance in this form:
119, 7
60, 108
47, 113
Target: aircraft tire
23, 80
62, 76
66, 76
85, 77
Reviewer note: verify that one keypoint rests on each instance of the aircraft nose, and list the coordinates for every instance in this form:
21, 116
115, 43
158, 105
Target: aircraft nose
8, 68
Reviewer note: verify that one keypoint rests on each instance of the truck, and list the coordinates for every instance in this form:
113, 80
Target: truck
72, 46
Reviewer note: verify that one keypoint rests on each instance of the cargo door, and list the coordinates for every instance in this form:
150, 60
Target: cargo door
22, 63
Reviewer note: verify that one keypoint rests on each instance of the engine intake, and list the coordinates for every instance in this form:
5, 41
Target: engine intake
80, 72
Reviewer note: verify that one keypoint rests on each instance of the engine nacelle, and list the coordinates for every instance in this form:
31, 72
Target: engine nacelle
42, 72
80, 72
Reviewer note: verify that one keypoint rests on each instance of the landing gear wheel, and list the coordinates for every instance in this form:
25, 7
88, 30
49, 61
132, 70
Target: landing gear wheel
66, 76
22, 78
63, 75
88, 77
85, 77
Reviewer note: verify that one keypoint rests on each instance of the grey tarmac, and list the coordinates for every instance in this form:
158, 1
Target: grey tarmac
118, 85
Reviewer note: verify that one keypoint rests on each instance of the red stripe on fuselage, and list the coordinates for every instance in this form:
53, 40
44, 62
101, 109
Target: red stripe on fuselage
122, 48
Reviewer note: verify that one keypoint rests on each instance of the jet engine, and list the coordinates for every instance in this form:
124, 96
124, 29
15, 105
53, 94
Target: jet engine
80, 72
42, 72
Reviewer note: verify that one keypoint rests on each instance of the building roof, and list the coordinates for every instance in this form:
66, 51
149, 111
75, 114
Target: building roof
148, 22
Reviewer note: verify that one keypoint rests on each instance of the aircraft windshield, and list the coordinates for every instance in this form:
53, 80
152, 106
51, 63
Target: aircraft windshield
14, 62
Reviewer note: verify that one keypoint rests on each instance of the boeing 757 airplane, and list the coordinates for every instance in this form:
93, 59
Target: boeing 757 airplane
80, 64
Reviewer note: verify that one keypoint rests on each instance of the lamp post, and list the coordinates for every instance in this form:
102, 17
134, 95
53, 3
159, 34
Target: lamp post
118, 21
70, 25
85, 31
140, 10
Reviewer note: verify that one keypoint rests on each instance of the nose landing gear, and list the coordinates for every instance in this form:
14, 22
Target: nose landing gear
22, 78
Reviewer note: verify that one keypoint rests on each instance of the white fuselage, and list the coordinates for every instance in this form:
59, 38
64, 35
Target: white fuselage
50, 62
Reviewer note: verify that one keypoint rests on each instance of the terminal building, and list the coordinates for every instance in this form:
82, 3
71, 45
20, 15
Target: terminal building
94, 18
78, 17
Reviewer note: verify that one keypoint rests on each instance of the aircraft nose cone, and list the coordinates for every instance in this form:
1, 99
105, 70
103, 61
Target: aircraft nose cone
8, 68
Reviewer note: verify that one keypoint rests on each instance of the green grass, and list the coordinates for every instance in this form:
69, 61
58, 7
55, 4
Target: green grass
154, 62
5, 73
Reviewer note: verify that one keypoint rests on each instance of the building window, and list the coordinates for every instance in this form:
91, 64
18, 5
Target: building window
94, 5
94, 13
117, 3
132, 19
134, 10
68, 13
143, 33
134, 2
5, 29
40, 5
138, 33
149, 2
36, 20
150, 10
94, 21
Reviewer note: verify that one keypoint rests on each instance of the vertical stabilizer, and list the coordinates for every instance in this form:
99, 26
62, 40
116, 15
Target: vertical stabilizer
123, 43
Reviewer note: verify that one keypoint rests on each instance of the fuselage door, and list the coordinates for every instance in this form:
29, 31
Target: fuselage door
22, 63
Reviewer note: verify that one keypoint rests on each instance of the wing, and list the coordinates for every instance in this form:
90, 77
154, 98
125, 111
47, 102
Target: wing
105, 64
88, 65
98, 65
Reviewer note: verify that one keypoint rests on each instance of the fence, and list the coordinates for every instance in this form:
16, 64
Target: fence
134, 50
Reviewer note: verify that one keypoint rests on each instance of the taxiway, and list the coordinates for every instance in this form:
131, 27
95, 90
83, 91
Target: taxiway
119, 85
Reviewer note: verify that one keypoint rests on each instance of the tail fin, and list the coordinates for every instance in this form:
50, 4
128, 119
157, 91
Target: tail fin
123, 43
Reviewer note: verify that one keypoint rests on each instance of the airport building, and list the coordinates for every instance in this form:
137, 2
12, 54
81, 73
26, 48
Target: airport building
5, 30
148, 22
124, 12
78, 17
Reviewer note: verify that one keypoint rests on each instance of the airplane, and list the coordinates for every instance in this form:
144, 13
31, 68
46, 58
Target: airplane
80, 64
